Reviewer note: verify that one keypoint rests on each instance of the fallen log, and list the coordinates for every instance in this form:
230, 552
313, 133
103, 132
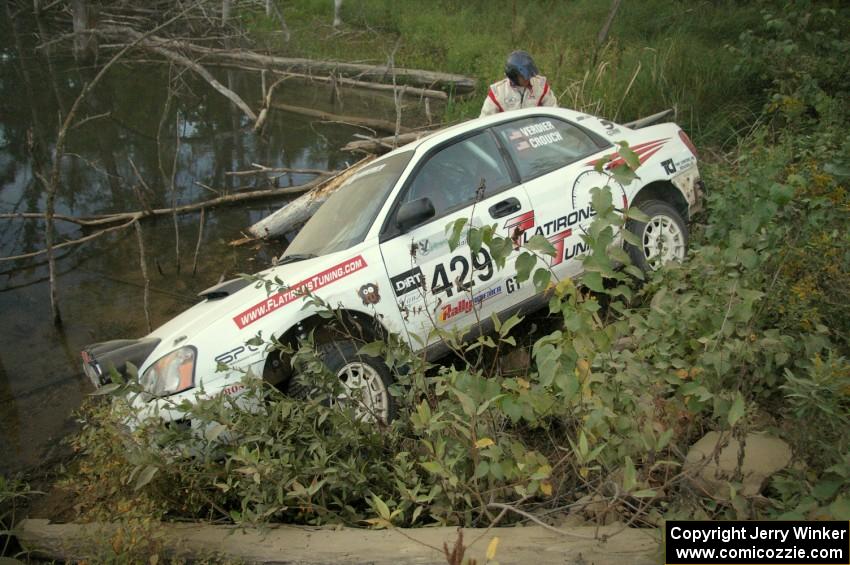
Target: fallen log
157, 46
452, 83
407, 90
126, 219
383, 144
262, 169
319, 545
295, 213
371, 123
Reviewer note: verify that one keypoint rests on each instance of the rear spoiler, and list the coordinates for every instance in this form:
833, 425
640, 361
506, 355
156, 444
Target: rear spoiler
668, 115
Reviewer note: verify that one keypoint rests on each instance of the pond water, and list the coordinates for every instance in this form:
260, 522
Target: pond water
100, 285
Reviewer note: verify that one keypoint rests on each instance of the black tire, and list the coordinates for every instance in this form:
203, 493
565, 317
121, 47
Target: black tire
374, 403
665, 224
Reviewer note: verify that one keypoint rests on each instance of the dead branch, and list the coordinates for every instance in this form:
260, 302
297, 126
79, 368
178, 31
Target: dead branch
267, 100
144, 267
88, 119
107, 219
59, 150
174, 190
262, 169
411, 90
71, 242
368, 122
158, 47
198, 244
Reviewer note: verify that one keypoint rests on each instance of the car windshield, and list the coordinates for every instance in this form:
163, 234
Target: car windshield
348, 214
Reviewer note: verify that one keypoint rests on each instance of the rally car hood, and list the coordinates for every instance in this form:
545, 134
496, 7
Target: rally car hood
217, 310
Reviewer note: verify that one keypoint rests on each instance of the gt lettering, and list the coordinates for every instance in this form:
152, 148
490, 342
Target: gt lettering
512, 284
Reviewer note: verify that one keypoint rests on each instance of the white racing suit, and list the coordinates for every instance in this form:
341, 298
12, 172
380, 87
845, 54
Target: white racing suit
503, 96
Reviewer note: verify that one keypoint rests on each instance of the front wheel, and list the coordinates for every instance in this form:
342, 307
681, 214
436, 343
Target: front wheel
364, 381
663, 237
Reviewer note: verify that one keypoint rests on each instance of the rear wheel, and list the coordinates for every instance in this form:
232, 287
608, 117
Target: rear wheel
364, 381
663, 237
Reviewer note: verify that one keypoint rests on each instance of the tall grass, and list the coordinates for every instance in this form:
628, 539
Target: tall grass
658, 53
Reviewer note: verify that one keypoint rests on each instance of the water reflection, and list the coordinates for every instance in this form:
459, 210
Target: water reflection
100, 284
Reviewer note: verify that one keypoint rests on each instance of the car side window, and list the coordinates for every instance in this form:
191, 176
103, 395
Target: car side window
451, 177
542, 144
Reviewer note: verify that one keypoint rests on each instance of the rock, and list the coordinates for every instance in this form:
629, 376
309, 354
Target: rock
764, 455
516, 362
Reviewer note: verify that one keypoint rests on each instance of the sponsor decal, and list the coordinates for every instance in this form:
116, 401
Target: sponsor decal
465, 305
234, 354
535, 135
289, 294
423, 247
407, 281
232, 389
668, 166
643, 150
686, 163
556, 231
368, 293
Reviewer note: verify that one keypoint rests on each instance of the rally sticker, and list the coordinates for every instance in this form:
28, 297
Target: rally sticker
289, 294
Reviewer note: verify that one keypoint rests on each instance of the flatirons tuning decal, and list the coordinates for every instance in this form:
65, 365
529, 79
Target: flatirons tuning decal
643, 150
290, 294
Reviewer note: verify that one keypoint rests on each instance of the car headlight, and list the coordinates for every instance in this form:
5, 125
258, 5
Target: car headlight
172, 373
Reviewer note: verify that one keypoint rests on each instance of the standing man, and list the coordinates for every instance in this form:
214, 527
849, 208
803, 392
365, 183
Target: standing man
523, 87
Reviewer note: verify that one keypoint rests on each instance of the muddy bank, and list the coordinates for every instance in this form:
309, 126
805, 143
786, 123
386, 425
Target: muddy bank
305, 545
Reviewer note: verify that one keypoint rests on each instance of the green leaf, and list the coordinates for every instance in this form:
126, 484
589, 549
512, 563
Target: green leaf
508, 324
630, 157
381, 507
482, 469
736, 411
455, 229
474, 238
373, 349
524, 263
645, 493
541, 279
541, 244
629, 475
840, 508
212, 432
106, 389
145, 476
593, 281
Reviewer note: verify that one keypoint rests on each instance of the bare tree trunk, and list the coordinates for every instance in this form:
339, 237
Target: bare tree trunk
83, 41
225, 12
337, 18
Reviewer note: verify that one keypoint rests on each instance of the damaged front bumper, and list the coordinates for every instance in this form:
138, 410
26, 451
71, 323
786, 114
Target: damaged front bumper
100, 359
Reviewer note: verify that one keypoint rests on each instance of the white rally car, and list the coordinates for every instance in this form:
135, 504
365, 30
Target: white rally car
377, 251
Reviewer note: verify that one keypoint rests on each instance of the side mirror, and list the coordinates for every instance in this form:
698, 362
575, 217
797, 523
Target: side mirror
414, 212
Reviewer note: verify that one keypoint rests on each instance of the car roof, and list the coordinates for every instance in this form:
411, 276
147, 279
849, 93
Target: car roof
445, 134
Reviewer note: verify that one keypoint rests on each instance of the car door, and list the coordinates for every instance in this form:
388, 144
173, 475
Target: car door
434, 286
554, 159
